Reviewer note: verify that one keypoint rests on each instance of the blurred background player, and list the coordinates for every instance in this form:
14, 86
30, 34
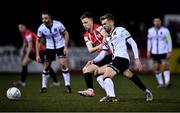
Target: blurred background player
93, 38
28, 54
56, 38
159, 47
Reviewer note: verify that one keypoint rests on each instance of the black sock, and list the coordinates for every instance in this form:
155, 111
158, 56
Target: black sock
89, 80
53, 75
138, 82
24, 73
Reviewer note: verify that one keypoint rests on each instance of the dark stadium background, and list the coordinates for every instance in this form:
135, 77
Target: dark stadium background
128, 13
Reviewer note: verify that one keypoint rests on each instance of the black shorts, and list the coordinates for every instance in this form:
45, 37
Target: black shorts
159, 57
32, 55
50, 54
107, 59
119, 64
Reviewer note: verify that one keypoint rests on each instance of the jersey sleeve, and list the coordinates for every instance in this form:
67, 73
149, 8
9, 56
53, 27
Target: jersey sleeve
169, 41
124, 33
61, 27
39, 32
86, 39
149, 41
149, 34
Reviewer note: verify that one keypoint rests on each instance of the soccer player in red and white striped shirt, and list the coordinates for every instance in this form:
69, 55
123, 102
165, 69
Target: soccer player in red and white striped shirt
28, 53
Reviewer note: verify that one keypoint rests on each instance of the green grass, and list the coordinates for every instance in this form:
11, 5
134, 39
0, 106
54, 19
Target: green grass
131, 98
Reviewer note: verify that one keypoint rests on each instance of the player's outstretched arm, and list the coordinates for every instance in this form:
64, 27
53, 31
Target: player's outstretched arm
136, 53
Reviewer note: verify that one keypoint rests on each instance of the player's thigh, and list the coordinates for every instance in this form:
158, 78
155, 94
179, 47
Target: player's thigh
109, 72
100, 70
90, 68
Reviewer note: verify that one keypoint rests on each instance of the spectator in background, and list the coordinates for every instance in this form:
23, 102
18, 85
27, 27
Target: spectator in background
28, 54
159, 47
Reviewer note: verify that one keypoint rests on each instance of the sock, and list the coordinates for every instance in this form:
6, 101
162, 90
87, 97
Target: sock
24, 73
109, 87
89, 80
138, 82
167, 76
53, 75
159, 77
66, 76
45, 77
100, 80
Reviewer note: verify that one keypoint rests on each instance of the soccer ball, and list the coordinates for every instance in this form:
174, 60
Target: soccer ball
13, 93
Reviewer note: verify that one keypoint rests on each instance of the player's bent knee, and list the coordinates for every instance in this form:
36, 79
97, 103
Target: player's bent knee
96, 72
84, 69
109, 72
128, 74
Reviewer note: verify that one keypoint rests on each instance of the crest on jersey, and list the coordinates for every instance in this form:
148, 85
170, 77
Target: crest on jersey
55, 30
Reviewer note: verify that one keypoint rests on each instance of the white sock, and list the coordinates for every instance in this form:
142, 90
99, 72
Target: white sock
100, 81
109, 87
159, 78
45, 77
66, 76
167, 76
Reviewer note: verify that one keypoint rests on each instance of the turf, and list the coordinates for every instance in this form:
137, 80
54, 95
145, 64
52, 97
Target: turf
56, 99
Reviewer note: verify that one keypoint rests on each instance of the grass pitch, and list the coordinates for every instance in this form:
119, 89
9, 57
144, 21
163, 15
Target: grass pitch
131, 98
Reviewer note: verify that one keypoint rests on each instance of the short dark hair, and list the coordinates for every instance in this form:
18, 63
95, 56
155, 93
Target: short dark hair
46, 13
86, 15
107, 16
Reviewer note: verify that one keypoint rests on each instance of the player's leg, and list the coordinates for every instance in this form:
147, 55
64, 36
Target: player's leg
109, 85
65, 73
54, 77
138, 83
24, 72
157, 69
49, 56
45, 76
87, 72
99, 75
64, 68
166, 73
158, 74
51, 71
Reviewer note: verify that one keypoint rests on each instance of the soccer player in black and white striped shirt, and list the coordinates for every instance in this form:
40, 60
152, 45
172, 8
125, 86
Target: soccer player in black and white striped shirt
120, 60
56, 38
159, 47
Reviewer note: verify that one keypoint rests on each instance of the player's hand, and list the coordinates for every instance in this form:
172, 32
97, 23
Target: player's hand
138, 64
168, 55
100, 46
38, 59
65, 50
148, 54
89, 63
